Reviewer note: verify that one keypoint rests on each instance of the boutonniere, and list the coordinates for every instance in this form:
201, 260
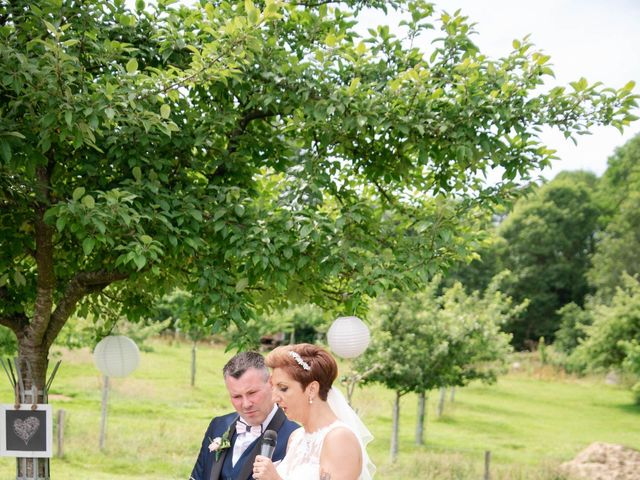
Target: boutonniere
219, 444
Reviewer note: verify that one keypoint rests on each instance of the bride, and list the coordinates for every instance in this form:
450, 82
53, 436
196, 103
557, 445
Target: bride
332, 443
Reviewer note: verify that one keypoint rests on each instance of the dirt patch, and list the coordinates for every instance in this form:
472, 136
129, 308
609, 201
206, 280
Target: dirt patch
604, 461
54, 397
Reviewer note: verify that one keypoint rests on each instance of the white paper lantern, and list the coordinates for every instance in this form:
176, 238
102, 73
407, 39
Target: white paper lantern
116, 356
348, 337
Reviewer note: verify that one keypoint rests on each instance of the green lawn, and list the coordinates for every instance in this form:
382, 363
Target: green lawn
530, 421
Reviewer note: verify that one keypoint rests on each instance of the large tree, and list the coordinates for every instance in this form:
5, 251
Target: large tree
618, 243
246, 151
549, 238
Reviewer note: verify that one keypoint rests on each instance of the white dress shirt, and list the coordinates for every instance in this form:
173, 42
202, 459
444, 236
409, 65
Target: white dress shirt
243, 440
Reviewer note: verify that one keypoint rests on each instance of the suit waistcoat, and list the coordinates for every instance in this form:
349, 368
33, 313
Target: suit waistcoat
229, 472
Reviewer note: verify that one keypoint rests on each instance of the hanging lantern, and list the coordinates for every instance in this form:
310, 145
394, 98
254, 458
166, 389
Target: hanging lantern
348, 337
116, 356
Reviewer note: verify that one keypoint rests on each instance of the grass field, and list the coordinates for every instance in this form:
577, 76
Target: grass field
530, 421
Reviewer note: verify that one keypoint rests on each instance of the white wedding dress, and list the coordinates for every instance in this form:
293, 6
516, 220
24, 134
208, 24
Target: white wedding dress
302, 460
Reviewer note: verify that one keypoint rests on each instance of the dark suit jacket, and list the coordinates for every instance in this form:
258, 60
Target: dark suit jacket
207, 468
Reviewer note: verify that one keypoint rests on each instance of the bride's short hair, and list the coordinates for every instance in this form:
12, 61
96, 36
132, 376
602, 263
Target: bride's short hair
305, 362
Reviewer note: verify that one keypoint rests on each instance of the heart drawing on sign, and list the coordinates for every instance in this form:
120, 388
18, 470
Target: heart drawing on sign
25, 429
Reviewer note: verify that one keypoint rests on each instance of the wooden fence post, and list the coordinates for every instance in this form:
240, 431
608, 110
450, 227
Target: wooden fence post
487, 461
60, 436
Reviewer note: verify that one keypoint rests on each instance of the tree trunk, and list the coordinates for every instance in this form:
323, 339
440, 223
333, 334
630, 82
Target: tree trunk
443, 393
32, 364
395, 428
453, 394
422, 401
194, 346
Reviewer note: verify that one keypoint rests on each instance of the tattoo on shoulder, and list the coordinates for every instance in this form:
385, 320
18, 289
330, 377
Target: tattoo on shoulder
325, 476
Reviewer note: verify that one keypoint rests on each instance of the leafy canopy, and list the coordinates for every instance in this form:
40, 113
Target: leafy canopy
424, 340
250, 151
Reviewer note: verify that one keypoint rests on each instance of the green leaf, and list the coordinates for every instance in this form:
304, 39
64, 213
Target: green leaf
197, 214
87, 245
5, 151
52, 29
305, 230
253, 14
60, 223
14, 134
140, 261
99, 224
353, 86
146, 239
165, 111
137, 173
242, 284
88, 201
132, 65
78, 193
19, 279
239, 209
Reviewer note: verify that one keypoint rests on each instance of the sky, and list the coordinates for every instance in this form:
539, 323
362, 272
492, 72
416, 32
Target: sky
595, 39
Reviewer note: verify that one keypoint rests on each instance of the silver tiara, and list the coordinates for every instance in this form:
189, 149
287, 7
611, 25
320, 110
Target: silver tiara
296, 356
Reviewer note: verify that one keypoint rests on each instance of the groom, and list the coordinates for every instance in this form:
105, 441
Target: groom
232, 441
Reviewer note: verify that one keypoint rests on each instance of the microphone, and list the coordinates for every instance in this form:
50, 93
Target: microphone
268, 443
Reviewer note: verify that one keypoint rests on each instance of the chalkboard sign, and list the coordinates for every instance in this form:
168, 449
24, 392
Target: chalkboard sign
25, 432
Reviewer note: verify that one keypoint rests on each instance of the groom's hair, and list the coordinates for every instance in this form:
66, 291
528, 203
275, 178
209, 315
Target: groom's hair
243, 361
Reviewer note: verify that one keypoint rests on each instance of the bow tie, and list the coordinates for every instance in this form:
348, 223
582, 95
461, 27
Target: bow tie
242, 427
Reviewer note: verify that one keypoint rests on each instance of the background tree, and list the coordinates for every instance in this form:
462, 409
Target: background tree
486, 261
424, 341
244, 154
612, 340
619, 196
549, 238
295, 323
181, 315
573, 320
621, 178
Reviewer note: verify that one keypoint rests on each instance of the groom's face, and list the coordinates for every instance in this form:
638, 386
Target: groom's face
251, 395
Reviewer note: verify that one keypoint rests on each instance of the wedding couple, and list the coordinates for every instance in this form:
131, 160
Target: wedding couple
331, 445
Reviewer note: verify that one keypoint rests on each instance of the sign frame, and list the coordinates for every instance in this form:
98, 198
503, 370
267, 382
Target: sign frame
14, 428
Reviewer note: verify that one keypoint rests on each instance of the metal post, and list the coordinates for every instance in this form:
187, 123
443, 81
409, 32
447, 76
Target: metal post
103, 419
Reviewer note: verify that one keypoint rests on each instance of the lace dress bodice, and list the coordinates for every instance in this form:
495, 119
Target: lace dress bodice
302, 460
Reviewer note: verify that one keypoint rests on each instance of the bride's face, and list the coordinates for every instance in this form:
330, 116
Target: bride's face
289, 395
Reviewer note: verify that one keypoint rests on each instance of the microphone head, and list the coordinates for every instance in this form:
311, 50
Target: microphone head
268, 443
270, 437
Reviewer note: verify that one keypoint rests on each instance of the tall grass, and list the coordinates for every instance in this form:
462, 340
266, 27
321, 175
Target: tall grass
530, 421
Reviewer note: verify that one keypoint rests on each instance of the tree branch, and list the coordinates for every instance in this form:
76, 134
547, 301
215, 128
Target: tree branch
16, 322
81, 285
243, 124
